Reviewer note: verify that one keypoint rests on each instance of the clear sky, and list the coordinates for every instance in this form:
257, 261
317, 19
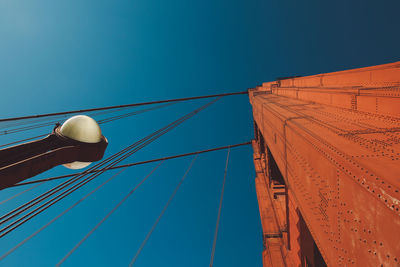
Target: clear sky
64, 55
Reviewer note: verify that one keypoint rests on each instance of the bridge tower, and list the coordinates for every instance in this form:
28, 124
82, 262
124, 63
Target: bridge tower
327, 161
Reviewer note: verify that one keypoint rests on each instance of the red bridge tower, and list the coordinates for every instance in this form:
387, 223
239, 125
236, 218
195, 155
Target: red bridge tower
327, 160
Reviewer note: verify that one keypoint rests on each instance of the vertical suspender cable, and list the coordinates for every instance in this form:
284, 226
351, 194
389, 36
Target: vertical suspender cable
20, 193
161, 214
107, 216
152, 137
58, 216
219, 210
54, 200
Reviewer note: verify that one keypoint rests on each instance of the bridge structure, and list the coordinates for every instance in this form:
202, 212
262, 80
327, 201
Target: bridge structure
326, 155
78, 143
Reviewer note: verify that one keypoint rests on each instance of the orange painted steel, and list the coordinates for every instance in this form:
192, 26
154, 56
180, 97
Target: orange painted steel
327, 160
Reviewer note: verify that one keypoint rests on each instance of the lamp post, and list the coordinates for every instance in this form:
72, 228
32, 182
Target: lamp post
75, 144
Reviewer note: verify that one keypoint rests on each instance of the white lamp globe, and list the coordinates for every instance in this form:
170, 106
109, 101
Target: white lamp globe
84, 129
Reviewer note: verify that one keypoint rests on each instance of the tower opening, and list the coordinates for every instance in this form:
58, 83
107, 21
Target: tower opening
309, 252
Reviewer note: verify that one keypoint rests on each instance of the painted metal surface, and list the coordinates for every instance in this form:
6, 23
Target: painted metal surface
23, 161
335, 139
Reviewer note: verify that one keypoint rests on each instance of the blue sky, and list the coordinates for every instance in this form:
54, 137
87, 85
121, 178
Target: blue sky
63, 55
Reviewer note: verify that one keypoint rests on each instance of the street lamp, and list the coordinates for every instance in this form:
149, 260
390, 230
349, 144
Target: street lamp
75, 144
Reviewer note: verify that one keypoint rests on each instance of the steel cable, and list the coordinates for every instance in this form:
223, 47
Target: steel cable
107, 216
58, 216
46, 119
72, 180
41, 125
54, 200
121, 106
20, 193
27, 139
161, 214
49, 203
219, 210
134, 164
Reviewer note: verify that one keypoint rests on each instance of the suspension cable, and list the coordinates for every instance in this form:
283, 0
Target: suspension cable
78, 176
51, 120
62, 195
69, 182
93, 167
45, 119
219, 210
161, 214
40, 181
135, 163
107, 216
15, 224
58, 216
20, 193
133, 113
121, 106
110, 119
23, 140
23, 122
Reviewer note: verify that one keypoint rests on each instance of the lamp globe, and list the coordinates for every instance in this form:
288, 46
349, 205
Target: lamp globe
84, 129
